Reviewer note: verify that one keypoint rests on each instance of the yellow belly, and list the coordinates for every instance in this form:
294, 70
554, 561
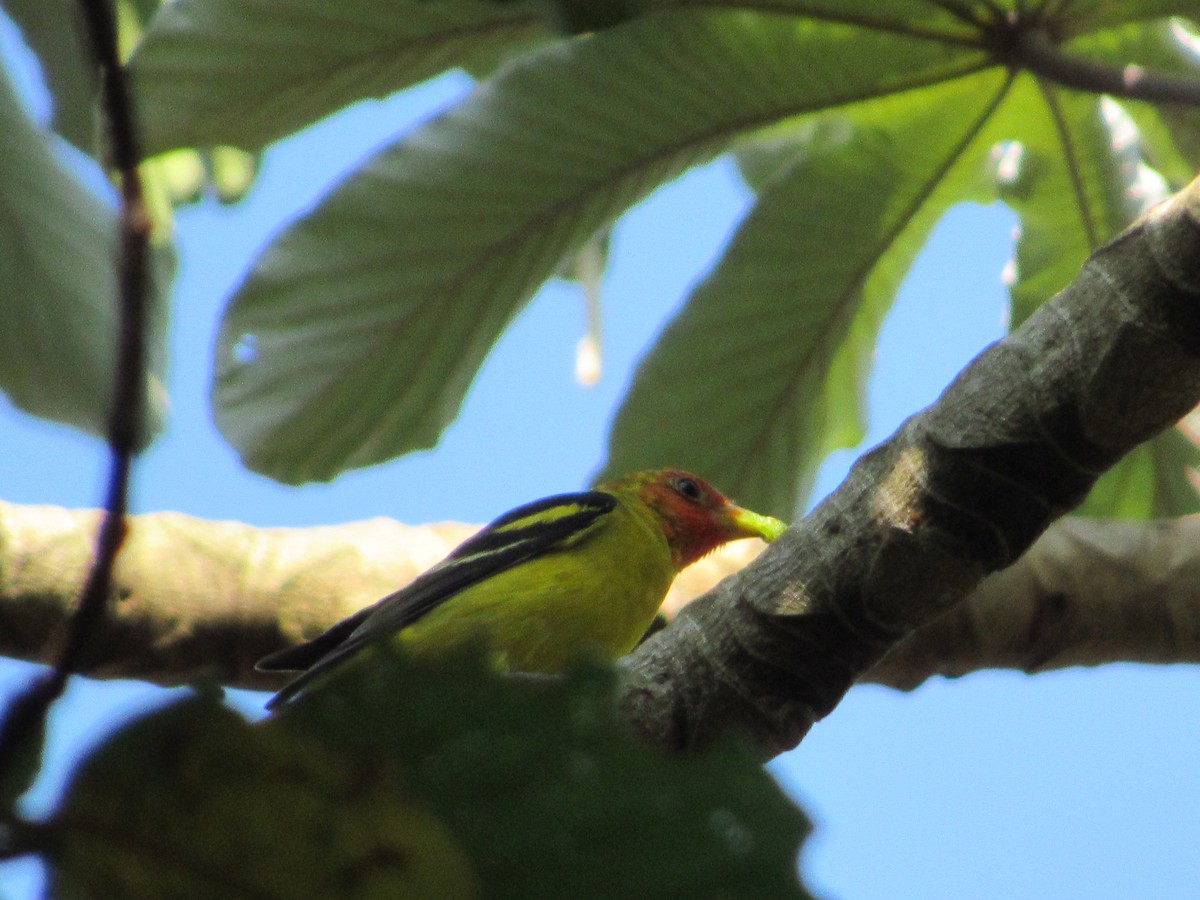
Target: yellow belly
590, 602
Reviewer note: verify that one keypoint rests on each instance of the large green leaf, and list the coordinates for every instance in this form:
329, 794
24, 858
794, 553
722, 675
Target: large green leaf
763, 372
1084, 16
1070, 182
1169, 133
238, 72
244, 73
394, 781
58, 305
548, 794
358, 332
54, 31
927, 18
193, 802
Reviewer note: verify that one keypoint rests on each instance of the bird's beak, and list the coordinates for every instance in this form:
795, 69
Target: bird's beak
751, 524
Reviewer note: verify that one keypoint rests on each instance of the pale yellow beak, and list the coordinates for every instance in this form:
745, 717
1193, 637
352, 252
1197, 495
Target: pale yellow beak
752, 524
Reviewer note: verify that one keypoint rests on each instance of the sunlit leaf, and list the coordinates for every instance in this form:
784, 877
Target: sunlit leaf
1076, 182
1071, 183
1150, 483
1169, 133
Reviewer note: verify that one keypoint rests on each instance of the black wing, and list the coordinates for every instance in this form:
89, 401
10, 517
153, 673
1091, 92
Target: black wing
301, 656
520, 535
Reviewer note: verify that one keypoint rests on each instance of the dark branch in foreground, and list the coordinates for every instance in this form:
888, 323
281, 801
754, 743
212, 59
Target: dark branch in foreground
961, 490
1035, 52
27, 713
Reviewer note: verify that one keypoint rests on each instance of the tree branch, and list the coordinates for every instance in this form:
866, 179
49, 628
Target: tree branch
25, 715
961, 490
197, 599
204, 599
1088, 592
1034, 51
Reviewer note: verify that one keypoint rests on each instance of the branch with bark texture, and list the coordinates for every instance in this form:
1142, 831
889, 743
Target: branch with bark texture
961, 490
199, 599
877, 571
1088, 592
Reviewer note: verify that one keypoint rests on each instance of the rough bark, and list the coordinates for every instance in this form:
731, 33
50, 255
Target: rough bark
1088, 592
960, 491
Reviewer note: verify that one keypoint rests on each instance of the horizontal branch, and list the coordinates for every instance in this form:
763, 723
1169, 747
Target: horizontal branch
198, 599
204, 600
1088, 592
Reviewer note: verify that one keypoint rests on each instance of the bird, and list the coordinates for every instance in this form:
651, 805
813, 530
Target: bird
552, 584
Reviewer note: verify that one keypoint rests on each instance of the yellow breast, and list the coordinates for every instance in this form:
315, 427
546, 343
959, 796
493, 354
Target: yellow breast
591, 600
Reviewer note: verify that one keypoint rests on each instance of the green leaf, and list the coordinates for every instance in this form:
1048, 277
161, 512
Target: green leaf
549, 796
937, 20
23, 762
1184, 126
57, 255
1086, 16
1151, 482
1072, 181
243, 73
359, 330
193, 802
394, 780
1170, 142
763, 373
54, 31
142, 10
1169, 133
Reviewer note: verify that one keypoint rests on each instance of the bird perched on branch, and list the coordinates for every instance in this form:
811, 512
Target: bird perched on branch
566, 579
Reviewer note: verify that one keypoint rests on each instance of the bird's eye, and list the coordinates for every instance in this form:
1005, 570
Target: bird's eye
688, 489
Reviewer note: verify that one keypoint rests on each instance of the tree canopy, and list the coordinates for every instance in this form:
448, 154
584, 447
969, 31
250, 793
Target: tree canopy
360, 328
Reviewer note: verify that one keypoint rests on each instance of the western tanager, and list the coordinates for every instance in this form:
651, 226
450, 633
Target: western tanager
549, 584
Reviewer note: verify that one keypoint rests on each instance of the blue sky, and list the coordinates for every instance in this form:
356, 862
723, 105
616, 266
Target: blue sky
1075, 784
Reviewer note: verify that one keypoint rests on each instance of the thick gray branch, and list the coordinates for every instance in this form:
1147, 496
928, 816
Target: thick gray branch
960, 491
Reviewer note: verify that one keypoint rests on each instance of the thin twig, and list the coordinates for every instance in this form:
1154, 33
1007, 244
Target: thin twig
1037, 53
27, 713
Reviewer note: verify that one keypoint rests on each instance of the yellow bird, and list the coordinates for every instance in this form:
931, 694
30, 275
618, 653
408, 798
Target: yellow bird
556, 582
